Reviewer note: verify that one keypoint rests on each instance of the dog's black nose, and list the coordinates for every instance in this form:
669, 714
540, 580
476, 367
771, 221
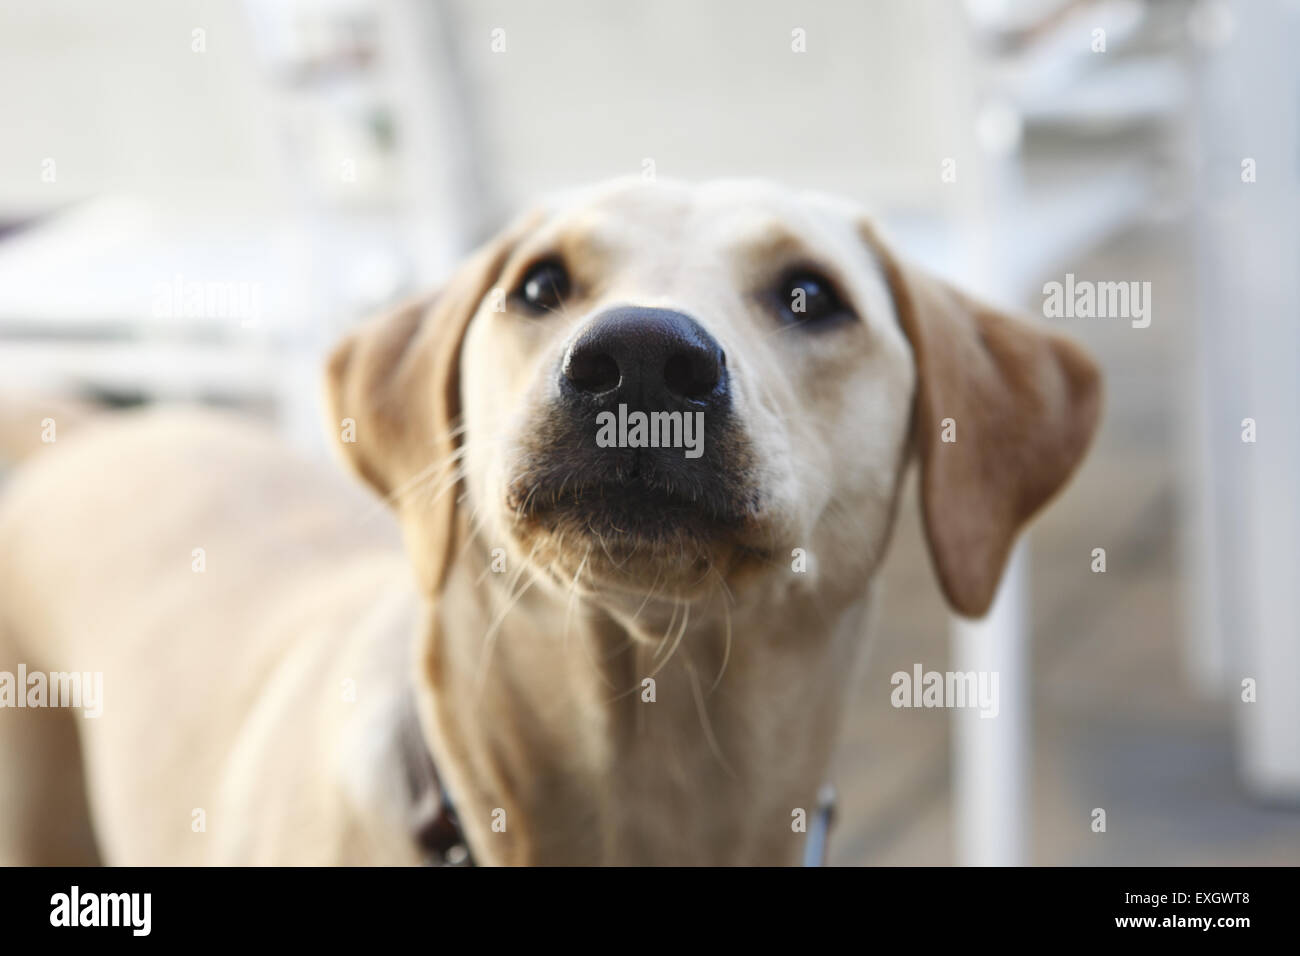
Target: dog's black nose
652, 359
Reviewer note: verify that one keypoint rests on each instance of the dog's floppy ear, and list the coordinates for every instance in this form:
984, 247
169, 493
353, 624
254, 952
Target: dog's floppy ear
1004, 413
393, 395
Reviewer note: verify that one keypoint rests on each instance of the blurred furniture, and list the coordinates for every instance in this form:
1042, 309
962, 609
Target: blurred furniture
167, 289
1070, 100
1244, 547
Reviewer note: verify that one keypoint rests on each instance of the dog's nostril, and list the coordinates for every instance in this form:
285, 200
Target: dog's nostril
591, 371
649, 358
691, 374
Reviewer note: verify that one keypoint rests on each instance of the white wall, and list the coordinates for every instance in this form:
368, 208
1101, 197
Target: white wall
114, 94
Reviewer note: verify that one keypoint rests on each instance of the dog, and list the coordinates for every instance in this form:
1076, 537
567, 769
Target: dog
626, 651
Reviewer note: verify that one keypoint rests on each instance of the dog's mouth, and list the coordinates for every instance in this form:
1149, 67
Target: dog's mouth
632, 505
634, 528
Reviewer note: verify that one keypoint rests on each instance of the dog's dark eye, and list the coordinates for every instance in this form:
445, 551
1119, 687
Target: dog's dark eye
805, 297
545, 286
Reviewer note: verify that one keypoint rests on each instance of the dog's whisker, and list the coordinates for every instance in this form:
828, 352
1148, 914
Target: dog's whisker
677, 639
573, 590
672, 622
572, 603
494, 629
726, 619
706, 725
382, 504
649, 594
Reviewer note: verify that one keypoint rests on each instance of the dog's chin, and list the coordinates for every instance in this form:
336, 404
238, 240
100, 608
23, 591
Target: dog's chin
635, 539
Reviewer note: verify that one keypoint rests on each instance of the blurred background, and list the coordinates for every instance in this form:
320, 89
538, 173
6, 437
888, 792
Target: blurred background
198, 196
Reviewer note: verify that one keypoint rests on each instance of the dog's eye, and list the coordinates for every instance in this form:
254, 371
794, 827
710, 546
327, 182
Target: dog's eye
805, 297
545, 286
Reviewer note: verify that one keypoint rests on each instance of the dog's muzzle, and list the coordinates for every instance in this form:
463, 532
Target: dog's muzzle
639, 435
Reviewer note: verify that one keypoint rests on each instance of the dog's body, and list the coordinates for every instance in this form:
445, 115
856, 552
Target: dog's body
614, 656
222, 685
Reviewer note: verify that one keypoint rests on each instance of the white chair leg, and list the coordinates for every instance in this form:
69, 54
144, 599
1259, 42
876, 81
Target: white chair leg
989, 752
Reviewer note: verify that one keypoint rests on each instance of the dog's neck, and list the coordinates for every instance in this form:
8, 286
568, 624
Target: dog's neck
678, 735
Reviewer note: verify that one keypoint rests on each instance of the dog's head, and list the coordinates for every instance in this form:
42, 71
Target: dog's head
659, 388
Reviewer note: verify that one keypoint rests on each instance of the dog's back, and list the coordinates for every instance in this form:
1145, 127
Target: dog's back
187, 558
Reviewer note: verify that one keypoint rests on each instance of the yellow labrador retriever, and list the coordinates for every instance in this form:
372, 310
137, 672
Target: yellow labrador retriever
644, 450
